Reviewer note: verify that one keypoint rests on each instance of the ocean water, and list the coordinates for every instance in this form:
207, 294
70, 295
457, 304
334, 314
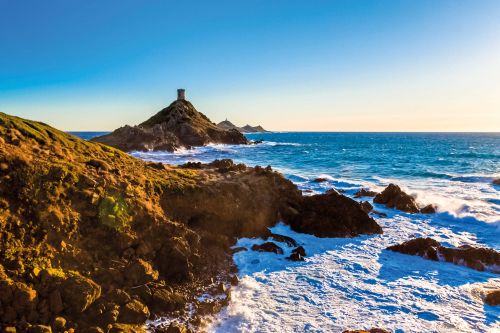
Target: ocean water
354, 283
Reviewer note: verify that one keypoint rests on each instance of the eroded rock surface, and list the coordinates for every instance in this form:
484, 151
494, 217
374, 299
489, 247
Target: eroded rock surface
478, 258
493, 298
393, 197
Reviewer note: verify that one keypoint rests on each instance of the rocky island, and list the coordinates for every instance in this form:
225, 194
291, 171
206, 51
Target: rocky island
179, 125
227, 125
94, 240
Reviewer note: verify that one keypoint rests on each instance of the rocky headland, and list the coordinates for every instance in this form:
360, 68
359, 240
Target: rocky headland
179, 125
94, 240
227, 125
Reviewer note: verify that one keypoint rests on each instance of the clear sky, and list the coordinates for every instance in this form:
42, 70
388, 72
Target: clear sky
346, 65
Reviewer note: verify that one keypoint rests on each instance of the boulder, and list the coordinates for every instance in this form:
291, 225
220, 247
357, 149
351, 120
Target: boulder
297, 254
496, 181
365, 193
493, 298
393, 197
176, 328
478, 258
140, 272
283, 239
267, 247
163, 300
59, 324
133, 312
79, 292
332, 215
320, 180
429, 209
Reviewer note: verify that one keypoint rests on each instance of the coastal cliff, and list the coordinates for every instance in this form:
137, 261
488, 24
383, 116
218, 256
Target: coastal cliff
179, 125
95, 240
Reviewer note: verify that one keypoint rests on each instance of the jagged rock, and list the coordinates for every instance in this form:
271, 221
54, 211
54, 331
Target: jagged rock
178, 125
477, 258
320, 180
366, 206
133, 312
365, 193
176, 328
79, 292
283, 239
140, 272
496, 181
234, 280
164, 300
393, 197
429, 209
267, 247
118, 296
332, 215
297, 254
493, 298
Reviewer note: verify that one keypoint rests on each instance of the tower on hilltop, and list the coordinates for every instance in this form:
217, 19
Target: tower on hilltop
181, 94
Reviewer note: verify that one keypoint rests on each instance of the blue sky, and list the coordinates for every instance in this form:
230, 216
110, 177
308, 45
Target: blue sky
347, 65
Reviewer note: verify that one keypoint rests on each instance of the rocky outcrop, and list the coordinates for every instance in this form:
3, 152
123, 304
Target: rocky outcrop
393, 197
478, 258
267, 247
297, 254
331, 215
178, 125
365, 193
227, 125
493, 298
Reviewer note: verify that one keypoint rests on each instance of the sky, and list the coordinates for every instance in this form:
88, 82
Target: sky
345, 65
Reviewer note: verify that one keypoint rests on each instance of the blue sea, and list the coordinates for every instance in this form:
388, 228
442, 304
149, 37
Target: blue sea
355, 283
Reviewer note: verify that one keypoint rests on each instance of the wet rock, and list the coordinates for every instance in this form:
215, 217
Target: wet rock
365, 193
283, 239
267, 247
332, 215
320, 180
133, 312
477, 258
366, 206
79, 292
393, 197
140, 272
496, 181
297, 254
493, 298
429, 209
234, 280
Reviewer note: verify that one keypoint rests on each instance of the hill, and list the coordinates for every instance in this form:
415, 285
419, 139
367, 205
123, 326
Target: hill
176, 126
227, 125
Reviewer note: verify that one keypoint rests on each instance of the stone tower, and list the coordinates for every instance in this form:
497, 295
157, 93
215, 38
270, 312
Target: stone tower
181, 94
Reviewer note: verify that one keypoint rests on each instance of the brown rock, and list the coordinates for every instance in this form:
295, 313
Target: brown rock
473, 257
372, 330
39, 329
55, 302
297, 254
176, 328
79, 292
366, 206
496, 181
332, 215
267, 247
320, 180
140, 272
429, 209
133, 312
365, 193
164, 300
284, 239
394, 197
59, 324
493, 298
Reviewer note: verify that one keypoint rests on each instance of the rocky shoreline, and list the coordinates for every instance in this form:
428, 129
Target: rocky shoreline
94, 240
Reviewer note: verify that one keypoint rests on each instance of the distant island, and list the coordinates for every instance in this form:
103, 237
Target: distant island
227, 125
179, 125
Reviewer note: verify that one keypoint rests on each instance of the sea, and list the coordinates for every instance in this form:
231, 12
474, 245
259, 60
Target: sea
355, 283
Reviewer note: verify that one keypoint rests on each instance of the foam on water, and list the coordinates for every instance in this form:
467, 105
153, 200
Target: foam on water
355, 283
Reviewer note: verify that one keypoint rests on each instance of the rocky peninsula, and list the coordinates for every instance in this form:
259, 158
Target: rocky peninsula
227, 125
179, 125
94, 240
